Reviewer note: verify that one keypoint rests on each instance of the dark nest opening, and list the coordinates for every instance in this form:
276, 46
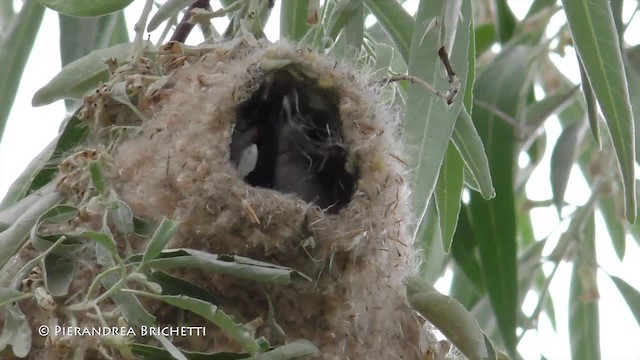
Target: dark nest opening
288, 137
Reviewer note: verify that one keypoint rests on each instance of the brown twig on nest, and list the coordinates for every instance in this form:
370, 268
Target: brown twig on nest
448, 95
444, 57
184, 27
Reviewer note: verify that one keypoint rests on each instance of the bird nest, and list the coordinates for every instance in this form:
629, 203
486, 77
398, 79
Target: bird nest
281, 172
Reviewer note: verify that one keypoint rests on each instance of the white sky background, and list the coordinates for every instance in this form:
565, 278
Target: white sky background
30, 129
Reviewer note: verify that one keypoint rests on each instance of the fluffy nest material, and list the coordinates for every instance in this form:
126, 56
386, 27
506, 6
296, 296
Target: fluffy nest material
218, 143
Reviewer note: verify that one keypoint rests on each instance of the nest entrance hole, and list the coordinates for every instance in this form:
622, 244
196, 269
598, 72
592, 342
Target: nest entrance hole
288, 137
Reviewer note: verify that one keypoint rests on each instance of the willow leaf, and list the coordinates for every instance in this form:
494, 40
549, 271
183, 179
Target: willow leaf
596, 41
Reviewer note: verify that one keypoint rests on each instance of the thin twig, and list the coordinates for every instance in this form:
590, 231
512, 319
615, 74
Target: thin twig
448, 95
171, 23
184, 27
499, 113
444, 57
139, 29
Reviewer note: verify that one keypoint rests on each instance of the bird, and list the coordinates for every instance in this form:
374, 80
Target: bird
287, 138
294, 170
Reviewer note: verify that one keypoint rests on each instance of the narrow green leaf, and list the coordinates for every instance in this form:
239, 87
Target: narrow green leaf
6, 11
633, 81
525, 225
596, 41
16, 42
172, 285
451, 16
120, 93
485, 36
16, 332
505, 20
58, 274
584, 325
161, 237
615, 225
210, 312
293, 350
450, 317
616, 12
27, 268
97, 176
550, 311
8, 295
238, 266
471, 73
529, 261
501, 86
465, 248
293, 19
574, 111
85, 7
341, 15
59, 214
384, 55
575, 231
10, 214
143, 227
353, 32
462, 289
630, 294
122, 216
539, 5
484, 314
633, 54
132, 310
537, 113
80, 76
468, 142
104, 239
167, 10
430, 241
592, 106
448, 194
147, 352
470, 180
429, 121
12, 239
395, 21
80, 36
173, 351
563, 158
120, 34
43, 168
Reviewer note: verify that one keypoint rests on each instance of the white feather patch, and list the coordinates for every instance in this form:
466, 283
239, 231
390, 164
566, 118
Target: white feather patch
248, 160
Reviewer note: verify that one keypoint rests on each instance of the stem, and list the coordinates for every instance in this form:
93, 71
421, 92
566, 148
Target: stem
446, 96
173, 21
98, 280
541, 300
16, 299
184, 27
26, 269
595, 194
499, 113
139, 28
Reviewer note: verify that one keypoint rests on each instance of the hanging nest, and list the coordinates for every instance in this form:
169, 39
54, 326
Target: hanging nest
263, 153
